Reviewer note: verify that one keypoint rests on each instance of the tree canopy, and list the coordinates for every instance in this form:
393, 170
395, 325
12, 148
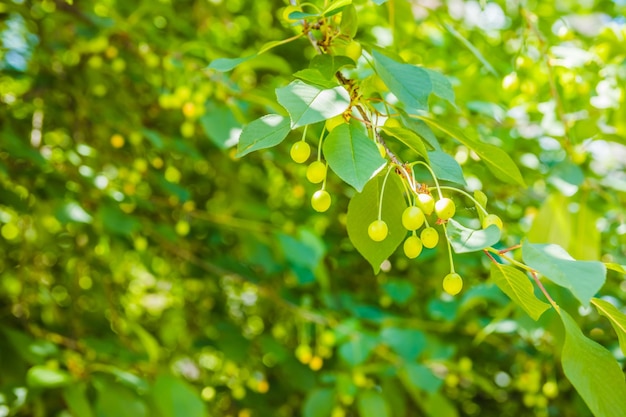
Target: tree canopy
320, 209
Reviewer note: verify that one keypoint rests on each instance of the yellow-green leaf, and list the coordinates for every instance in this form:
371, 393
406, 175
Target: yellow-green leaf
616, 317
518, 287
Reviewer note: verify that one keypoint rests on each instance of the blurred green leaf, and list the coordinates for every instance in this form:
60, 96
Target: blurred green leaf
174, 398
75, 395
319, 403
408, 343
372, 404
42, 377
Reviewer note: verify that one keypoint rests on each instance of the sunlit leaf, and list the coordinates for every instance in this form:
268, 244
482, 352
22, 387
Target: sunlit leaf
518, 287
617, 318
308, 104
265, 132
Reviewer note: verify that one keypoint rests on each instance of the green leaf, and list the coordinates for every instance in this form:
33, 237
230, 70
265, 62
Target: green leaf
314, 76
308, 104
220, 125
552, 224
265, 132
352, 155
497, 160
472, 49
358, 348
586, 240
408, 343
616, 317
372, 404
422, 129
399, 291
335, 6
116, 221
465, 240
75, 396
409, 138
363, 209
481, 198
42, 377
441, 85
72, 211
446, 168
115, 400
174, 398
616, 267
328, 65
349, 21
227, 64
582, 278
593, 371
421, 377
319, 403
518, 287
410, 84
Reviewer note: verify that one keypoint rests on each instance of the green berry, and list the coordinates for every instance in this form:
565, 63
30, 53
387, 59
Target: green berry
490, 219
320, 201
316, 172
353, 50
333, 122
445, 208
412, 247
412, 218
429, 237
426, 202
377, 230
453, 283
300, 151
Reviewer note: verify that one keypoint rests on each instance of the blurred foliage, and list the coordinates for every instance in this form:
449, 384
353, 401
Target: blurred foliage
147, 271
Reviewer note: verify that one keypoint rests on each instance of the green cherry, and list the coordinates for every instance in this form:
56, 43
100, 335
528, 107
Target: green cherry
429, 237
320, 201
453, 283
300, 151
426, 202
377, 230
316, 172
333, 122
412, 247
445, 208
412, 218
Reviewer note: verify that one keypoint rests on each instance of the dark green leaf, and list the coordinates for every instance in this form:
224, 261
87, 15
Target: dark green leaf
363, 209
441, 85
319, 403
422, 377
358, 348
372, 404
75, 396
174, 398
265, 132
328, 65
220, 125
409, 83
352, 155
315, 77
114, 400
446, 168
227, 64
408, 343
409, 138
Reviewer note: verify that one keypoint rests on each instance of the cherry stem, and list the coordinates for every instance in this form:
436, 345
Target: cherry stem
382, 193
468, 195
533, 273
432, 174
490, 257
501, 251
445, 233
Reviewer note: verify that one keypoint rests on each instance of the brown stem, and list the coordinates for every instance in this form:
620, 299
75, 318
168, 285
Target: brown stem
490, 257
509, 249
543, 289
